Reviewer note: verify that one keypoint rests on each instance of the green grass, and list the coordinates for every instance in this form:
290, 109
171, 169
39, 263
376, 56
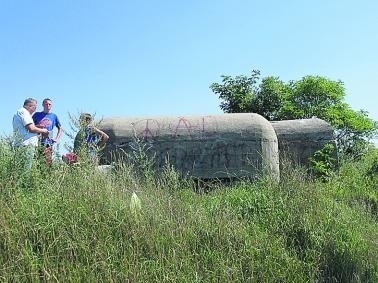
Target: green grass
74, 224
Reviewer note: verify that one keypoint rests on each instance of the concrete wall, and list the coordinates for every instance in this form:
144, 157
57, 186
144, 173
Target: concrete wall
300, 139
214, 146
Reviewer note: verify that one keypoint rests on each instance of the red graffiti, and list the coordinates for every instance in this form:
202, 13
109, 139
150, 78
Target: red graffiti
151, 126
183, 124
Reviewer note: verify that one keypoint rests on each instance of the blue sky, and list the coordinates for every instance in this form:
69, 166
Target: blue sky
160, 57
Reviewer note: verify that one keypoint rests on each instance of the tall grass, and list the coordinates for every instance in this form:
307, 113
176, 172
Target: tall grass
74, 224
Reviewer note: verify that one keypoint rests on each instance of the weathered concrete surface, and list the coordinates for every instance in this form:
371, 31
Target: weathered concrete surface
214, 146
300, 139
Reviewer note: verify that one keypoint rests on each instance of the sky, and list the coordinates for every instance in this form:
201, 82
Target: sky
148, 58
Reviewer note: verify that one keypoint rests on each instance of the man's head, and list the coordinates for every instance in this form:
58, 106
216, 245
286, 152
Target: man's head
47, 105
30, 104
85, 118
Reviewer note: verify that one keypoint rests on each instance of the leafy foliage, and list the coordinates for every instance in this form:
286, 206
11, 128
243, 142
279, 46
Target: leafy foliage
237, 93
271, 97
323, 162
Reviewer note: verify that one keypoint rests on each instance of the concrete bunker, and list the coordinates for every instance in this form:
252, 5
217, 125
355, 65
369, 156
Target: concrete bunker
214, 146
300, 139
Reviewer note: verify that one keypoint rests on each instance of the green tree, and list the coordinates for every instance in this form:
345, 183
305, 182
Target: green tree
237, 93
308, 97
270, 98
311, 96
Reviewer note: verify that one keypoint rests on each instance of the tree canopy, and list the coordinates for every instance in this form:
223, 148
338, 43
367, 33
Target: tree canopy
311, 96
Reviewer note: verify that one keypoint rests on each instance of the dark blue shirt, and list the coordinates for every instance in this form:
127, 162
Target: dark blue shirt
47, 121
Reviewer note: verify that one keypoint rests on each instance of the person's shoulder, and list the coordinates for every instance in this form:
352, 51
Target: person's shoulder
56, 119
23, 112
18, 111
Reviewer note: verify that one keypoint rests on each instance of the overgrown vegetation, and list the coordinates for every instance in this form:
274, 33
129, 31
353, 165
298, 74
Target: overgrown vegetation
76, 224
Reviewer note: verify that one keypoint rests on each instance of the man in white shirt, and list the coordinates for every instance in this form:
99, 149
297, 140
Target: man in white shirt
26, 133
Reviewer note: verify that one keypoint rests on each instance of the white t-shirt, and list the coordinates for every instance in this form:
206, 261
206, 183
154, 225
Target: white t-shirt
22, 135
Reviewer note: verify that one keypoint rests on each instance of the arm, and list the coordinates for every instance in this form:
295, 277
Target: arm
58, 134
34, 129
104, 137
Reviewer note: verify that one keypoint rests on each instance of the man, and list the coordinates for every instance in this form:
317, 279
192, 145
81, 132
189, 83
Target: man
26, 133
48, 120
94, 138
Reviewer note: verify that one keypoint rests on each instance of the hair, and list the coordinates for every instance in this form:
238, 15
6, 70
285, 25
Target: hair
46, 99
85, 117
29, 100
